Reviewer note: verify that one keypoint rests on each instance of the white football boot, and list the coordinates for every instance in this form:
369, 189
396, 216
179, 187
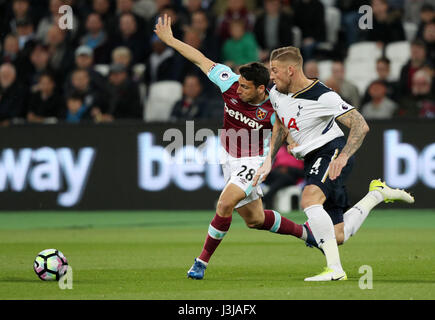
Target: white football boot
389, 194
329, 275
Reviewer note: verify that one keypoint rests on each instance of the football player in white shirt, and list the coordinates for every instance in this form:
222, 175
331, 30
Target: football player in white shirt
306, 117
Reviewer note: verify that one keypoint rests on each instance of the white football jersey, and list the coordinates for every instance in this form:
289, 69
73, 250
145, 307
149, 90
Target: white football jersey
310, 115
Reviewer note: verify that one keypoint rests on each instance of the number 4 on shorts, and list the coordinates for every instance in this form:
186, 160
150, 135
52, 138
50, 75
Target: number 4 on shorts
315, 167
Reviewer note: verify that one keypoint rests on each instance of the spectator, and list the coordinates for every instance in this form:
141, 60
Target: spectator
241, 48
24, 32
417, 61
96, 38
122, 56
84, 59
387, 26
427, 15
412, 10
209, 42
126, 6
145, 8
350, 17
11, 50
310, 18
347, 90
235, 10
93, 99
53, 19
20, 11
76, 110
45, 103
193, 104
429, 40
187, 11
12, 95
379, 105
61, 57
192, 38
383, 74
131, 38
286, 171
124, 94
40, 59
161, 64
311, 69
104, 10
273, 28
421, 101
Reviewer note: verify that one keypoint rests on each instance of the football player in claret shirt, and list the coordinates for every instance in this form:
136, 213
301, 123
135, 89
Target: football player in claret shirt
248, 112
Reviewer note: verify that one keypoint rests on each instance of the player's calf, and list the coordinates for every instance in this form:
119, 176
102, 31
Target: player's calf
339, 233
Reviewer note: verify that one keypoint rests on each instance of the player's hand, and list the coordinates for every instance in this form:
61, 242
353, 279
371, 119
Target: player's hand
262, 172
291, 146
337, 165
163, 29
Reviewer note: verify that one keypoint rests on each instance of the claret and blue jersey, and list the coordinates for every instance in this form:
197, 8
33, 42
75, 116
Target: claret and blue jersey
241, 115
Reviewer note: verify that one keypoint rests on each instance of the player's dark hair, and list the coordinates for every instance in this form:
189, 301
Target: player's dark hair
255, 72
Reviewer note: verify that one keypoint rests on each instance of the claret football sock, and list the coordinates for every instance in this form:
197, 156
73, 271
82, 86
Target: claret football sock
274, 222
216, 232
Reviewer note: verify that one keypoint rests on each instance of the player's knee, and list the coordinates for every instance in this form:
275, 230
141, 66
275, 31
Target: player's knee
225, 207
308, 202
312, 195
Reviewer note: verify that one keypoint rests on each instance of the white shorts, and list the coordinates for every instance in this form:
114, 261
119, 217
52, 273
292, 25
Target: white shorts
241, 172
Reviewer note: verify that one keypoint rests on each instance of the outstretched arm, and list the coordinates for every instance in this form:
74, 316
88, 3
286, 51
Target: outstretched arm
358, 130
164, 32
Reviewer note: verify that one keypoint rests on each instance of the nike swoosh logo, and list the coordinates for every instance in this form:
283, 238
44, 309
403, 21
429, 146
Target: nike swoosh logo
381, 187
337, 278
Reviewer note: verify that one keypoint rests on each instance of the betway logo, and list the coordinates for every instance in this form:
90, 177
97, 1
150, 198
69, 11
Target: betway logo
242, 118
43, 169
404, 164
188, 170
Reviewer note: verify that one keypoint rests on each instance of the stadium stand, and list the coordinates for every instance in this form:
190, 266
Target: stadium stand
399, 54
161, 98
17, 42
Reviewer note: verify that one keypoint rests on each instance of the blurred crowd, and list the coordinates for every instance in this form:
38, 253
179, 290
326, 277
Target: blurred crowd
104, 68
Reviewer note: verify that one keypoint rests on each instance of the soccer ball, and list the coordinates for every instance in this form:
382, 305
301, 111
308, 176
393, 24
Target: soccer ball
50, 265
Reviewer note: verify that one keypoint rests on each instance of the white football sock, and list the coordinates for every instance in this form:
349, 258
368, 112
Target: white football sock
323, 231
330, 248
355, 216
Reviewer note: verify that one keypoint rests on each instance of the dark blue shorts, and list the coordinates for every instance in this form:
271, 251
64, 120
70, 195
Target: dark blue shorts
316, 170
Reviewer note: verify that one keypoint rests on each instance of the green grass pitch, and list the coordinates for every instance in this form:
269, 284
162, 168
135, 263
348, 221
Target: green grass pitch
145, 255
